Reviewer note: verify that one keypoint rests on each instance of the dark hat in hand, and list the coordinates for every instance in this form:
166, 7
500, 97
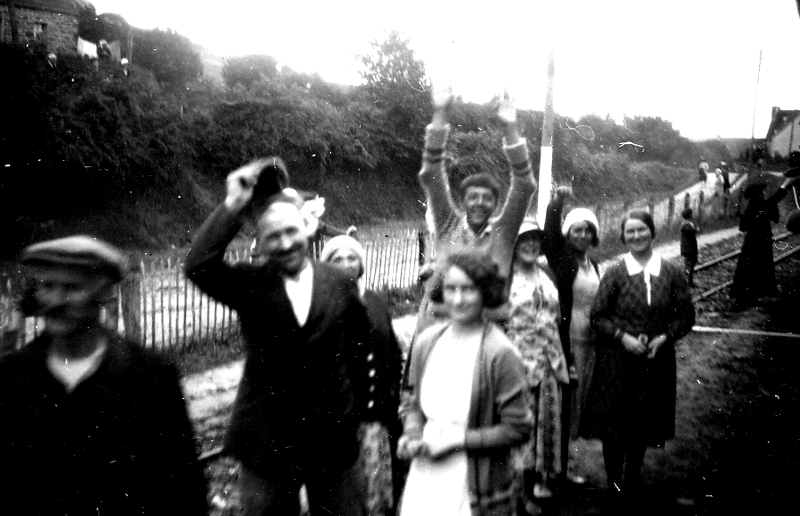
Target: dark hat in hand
81, 252
272, 179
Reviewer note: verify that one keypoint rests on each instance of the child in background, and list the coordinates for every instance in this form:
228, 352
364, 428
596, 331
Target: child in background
689, 244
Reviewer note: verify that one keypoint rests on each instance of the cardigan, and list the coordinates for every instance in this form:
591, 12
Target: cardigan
119, 444
564, 265
298, 401
499, 416
452, 234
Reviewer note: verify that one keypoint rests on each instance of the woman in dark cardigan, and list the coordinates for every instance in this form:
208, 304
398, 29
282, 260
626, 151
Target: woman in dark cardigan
577, 279
642, 308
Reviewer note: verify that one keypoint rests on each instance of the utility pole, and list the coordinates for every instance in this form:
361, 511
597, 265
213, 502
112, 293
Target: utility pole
546, 154
755, 107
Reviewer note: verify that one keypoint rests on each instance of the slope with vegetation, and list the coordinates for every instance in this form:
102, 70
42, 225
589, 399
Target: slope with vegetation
141, 159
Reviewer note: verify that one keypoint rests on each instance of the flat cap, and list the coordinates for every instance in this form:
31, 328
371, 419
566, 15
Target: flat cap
79, 251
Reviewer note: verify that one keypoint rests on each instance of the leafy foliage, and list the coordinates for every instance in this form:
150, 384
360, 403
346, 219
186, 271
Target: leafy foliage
247, 70
170, 56
396, 82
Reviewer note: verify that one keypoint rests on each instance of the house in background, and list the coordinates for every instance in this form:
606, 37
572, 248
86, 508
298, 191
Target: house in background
783, 135
52, 23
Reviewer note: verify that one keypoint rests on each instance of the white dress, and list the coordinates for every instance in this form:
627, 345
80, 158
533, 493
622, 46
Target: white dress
439, 488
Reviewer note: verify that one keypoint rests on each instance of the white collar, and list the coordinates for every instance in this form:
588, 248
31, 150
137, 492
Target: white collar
653, 267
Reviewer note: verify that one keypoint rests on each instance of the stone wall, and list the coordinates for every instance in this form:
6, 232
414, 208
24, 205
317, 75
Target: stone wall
60, 33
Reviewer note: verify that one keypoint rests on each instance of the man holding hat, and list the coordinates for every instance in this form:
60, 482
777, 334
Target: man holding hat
296, 414
91, 423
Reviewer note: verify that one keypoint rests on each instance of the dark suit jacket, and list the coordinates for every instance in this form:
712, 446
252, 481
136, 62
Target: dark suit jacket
119, 444
296, 404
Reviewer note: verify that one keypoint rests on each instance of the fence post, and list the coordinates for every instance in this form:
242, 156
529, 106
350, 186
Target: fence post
422, 250
700, 207
670, 211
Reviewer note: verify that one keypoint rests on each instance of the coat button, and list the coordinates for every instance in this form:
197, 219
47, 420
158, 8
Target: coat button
371, 373
370, 357
372, 388
370, 404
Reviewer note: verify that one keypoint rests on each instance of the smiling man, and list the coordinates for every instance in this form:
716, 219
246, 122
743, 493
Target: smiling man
91, 422
295, 418
475, 224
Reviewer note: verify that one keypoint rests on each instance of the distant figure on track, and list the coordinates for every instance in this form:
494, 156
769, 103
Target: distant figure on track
755, 271
296, 415
702, 169
91, 423
689, 244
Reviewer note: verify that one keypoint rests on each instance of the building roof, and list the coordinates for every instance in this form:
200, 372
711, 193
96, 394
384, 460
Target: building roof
780, 119
56, 6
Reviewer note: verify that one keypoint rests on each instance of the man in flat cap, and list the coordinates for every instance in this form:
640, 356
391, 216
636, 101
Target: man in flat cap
90, 423
295, 417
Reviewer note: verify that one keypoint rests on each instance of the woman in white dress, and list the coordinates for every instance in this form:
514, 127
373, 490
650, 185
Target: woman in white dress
469, 404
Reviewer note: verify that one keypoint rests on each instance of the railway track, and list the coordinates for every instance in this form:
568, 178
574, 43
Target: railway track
714, 268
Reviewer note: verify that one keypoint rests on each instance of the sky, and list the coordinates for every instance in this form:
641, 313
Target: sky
692, 62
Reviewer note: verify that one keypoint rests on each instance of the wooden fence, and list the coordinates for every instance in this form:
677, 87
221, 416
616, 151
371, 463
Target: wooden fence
159, 307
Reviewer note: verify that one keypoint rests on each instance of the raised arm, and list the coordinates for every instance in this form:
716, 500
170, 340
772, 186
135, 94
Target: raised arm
523, 185
204, 264
553, 242
432, 176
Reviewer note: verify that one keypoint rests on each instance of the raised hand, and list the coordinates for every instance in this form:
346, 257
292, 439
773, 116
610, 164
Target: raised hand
240, 184
563, 192
506, 112
441, 97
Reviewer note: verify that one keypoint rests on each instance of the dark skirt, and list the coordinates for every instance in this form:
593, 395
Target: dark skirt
631, 397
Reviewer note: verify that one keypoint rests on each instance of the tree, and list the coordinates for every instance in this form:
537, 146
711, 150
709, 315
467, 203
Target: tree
171, 57
396, 81
248, 70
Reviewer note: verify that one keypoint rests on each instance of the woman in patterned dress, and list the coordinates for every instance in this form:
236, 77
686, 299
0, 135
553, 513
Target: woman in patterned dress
380, 425
532, 326
469, 404
642, 308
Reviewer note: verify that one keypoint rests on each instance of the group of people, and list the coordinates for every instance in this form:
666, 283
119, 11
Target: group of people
720, 178
521, 349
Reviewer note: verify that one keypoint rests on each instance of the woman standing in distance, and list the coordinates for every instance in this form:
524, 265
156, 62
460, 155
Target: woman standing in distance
533, 328
380, 379
468, 404
566, 247
642, 308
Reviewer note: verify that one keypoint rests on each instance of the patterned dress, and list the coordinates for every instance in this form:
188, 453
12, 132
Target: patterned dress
533, 328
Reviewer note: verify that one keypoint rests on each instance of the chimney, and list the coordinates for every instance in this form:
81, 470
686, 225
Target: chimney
775, 110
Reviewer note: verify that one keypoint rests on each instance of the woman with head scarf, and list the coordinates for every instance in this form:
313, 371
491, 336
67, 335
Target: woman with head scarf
468, 405
642, 308
566, 246
380, 382
532, 326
